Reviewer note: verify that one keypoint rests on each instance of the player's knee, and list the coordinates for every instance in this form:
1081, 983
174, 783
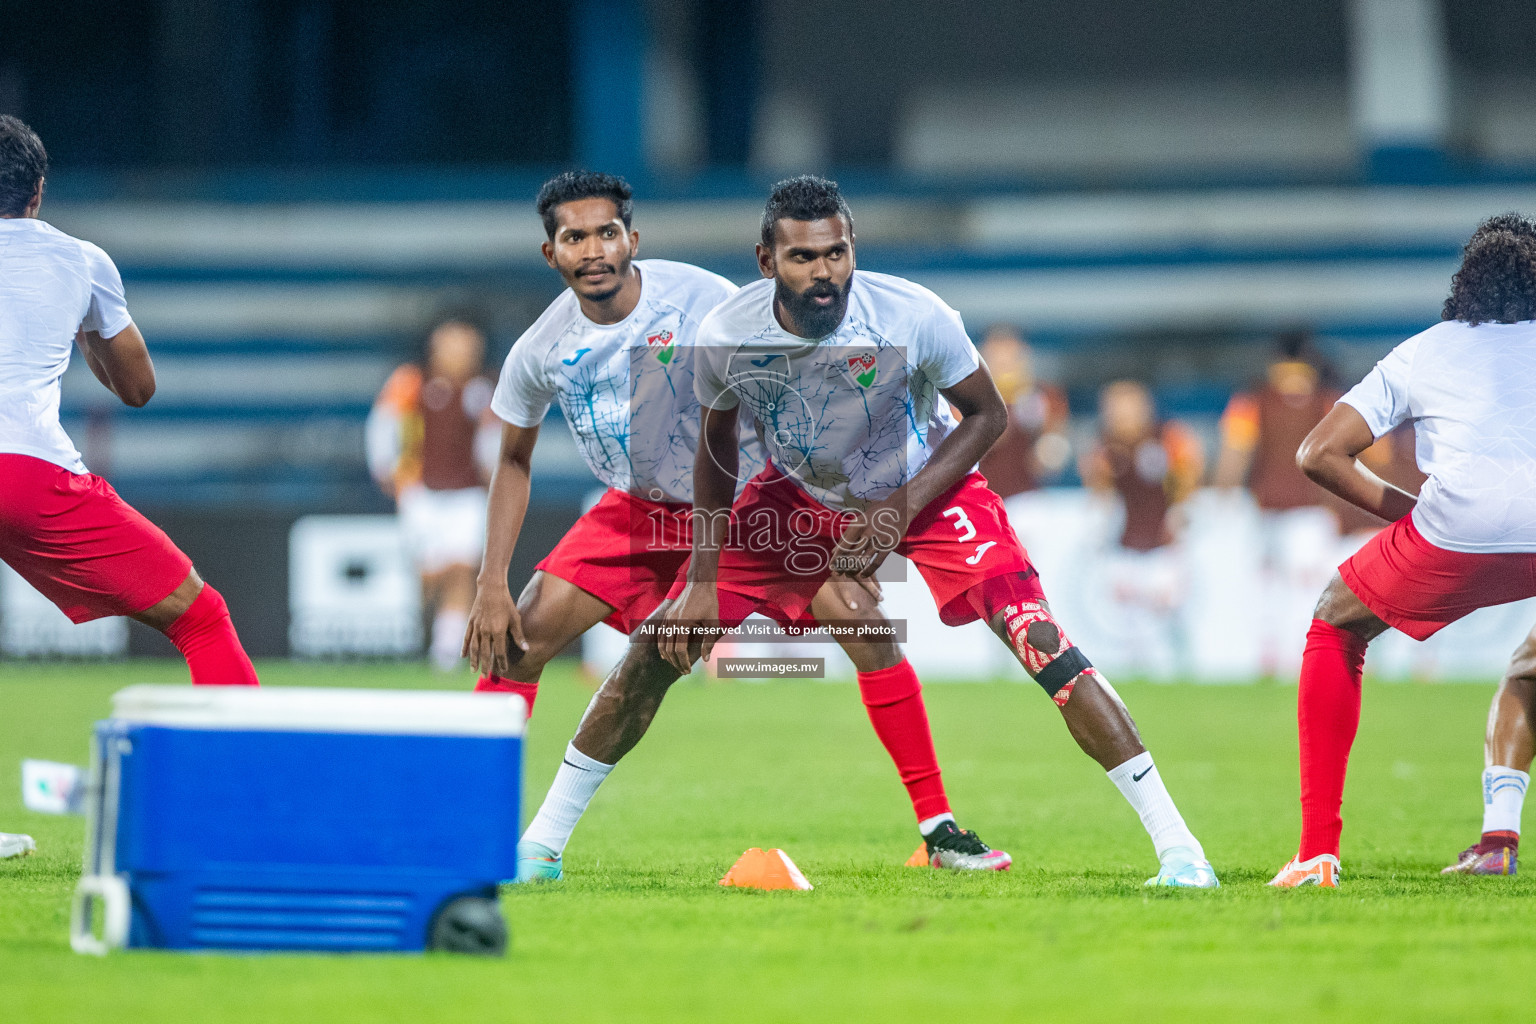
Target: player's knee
541, 650
1044, 636
1042, 647
642, 673
1338, 606
1522, 666
872, 657
174, 605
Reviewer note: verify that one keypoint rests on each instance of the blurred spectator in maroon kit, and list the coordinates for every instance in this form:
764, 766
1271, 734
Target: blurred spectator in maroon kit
1033, 449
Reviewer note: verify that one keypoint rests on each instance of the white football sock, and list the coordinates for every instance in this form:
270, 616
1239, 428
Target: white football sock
573, 789
1142, 787
1503, 797
448, 639
929, 824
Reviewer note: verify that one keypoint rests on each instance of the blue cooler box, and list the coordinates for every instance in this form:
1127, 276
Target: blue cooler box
300, 819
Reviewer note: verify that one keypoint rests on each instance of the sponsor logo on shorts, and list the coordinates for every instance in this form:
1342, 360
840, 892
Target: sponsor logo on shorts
981, 549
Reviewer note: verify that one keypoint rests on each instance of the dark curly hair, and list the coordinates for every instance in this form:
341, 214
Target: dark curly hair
573, 185
804, 198
23, 162
1497, 279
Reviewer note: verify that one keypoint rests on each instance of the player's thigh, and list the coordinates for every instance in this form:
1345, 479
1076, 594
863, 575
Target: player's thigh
91, 553
556, 611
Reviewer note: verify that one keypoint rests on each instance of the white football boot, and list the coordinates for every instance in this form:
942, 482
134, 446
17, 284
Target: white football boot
1181, 869
1322, 871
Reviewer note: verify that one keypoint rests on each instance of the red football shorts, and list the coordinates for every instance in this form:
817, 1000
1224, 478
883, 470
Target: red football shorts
782, 540
83, 547
626, 552
1420, 589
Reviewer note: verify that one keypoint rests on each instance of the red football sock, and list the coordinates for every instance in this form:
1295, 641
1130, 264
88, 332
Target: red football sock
894, 699
1327, 716
1498, 840
206, 637
498, 684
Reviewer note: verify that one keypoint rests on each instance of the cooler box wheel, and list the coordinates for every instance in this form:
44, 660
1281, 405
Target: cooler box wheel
469, 924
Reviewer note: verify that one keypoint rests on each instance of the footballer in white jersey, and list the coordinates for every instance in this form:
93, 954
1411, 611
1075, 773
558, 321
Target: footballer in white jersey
849, 378
63, 529
1467, 540
616, 351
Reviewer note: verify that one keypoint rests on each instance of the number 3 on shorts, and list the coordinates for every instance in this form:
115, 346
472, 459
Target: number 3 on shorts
962, 524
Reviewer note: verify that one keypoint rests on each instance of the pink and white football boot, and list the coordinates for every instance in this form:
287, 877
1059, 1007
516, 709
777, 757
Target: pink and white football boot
955, 850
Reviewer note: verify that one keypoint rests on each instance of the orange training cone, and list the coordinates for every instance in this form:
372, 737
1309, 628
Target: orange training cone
759, 869
919, 858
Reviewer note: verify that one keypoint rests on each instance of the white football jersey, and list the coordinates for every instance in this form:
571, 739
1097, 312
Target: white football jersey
51, 285
1471, 395
627, 388
855, 415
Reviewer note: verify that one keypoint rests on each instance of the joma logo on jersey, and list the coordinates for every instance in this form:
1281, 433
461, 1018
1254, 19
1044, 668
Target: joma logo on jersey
863, 369
661, 344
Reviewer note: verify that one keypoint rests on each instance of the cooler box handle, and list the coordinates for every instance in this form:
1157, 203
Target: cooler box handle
112, 892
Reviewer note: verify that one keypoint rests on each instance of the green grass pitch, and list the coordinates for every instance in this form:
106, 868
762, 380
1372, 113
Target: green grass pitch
639, 931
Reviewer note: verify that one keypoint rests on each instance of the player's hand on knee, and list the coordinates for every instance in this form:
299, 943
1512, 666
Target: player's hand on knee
867, 539
493, 620
692, 626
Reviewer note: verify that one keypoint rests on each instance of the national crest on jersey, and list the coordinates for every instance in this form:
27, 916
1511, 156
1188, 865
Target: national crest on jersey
661, 345
864, 368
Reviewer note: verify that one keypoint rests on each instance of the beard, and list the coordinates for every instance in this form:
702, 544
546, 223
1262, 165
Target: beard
811, 320
620, 270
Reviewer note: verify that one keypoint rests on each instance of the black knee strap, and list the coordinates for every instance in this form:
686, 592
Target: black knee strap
1064, 668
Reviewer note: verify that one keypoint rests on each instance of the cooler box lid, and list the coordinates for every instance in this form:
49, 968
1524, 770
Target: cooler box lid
313, 709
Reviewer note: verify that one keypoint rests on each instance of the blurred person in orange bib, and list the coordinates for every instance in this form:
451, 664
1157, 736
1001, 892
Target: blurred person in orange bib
1261, 430
1034, 448
429, 436
1152, 465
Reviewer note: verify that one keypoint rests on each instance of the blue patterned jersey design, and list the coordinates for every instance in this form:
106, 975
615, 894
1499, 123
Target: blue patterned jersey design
626, 389
850, 417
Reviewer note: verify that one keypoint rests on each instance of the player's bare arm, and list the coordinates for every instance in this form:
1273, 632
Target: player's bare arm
494, 617
121, 363
872, 537
1329, 457
714, 487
